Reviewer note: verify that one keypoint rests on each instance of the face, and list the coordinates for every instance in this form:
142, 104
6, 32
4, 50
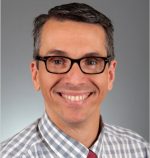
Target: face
73, 97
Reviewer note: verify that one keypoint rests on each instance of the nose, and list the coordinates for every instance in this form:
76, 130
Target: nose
75, 75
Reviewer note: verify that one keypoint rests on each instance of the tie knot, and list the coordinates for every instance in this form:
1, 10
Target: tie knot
91, 154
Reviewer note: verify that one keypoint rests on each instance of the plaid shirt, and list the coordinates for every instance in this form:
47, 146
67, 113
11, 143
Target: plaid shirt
43, 139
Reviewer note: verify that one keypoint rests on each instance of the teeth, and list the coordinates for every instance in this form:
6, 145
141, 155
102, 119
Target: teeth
75, 98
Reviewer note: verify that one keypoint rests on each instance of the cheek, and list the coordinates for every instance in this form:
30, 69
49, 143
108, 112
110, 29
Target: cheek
47, 82
102, 85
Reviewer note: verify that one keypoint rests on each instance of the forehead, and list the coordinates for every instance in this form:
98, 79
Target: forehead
70, 36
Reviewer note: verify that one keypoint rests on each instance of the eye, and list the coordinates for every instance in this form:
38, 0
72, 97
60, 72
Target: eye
56, 60
91, 61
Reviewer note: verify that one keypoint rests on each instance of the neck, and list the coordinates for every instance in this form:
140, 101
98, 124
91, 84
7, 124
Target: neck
85, 132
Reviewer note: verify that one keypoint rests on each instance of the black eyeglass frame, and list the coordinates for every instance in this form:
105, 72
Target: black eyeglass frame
107, 59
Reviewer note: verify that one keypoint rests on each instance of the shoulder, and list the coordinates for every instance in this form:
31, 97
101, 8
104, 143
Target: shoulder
123, 133
21, 142
126, 138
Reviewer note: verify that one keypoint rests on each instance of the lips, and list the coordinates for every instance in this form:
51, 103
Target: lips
75, 97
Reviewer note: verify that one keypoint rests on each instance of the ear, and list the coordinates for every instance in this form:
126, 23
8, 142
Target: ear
35, 75
111, 74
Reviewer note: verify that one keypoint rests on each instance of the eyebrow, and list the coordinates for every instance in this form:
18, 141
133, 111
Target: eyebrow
57, 52
92, 54
63, 53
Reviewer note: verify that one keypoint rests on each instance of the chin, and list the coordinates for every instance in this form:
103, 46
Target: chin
74, 121
74, 117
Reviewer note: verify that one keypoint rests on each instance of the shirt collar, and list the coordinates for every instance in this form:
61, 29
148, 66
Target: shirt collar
97, 146
62, 144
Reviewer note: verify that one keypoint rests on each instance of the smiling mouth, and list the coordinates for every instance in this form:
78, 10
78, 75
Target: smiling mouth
76, 97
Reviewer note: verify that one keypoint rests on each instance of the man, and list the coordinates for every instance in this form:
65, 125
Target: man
74, 67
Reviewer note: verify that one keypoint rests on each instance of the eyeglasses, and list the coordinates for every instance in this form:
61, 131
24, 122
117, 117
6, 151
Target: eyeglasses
61, 64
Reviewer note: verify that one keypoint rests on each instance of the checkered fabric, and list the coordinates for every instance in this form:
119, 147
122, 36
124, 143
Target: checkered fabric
43, 139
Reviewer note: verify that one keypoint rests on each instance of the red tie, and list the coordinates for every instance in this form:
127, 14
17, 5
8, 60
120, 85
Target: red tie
91, 154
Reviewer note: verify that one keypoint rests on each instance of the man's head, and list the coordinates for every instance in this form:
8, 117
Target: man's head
79, 33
